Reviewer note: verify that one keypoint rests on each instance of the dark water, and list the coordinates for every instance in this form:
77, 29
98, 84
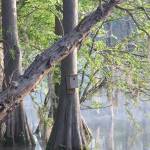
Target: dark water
118, 133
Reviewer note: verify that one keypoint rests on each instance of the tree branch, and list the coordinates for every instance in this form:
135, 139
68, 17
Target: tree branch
137, 24
90, 52
143, 8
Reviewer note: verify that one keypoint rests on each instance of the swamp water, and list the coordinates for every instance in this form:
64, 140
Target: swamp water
117, 133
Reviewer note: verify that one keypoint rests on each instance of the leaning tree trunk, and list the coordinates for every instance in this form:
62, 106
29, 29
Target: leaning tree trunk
68, 129
17, 128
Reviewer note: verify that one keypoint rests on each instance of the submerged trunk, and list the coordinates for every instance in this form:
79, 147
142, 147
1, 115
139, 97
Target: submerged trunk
17, 128
68, 129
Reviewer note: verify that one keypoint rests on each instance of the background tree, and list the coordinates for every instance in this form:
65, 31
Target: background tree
52, 96
68, 121
17, 128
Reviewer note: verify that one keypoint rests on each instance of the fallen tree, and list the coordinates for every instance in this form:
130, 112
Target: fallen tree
43, 63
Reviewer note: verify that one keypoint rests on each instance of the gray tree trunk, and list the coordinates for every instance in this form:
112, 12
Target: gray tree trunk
68, 130
17, 128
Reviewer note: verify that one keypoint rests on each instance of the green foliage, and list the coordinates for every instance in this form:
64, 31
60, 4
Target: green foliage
44, 111
36, 24
21, 139
85, 147
7, 140
62, 146
12, 53
127, 53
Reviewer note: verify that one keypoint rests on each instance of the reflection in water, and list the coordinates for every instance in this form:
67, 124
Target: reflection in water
111, 145
97, 139
119, 132
109, 133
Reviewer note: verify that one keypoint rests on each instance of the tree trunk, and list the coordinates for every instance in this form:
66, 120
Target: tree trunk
47, 60
110, 86
68, 130
17, 128
1, 54
54, 101
53, 90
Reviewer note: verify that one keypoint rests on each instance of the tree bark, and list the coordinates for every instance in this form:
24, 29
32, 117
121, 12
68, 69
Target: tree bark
17, 128
47, 60
68, 130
